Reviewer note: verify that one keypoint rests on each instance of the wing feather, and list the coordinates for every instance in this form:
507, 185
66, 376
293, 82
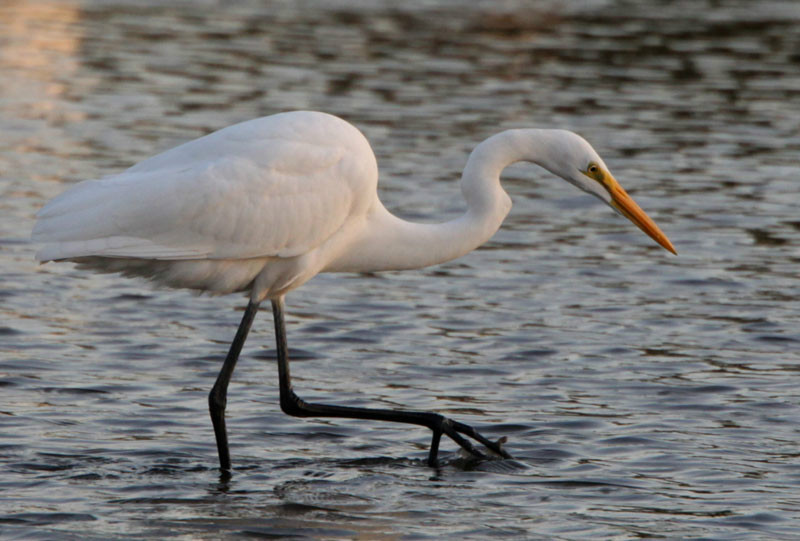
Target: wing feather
246, 191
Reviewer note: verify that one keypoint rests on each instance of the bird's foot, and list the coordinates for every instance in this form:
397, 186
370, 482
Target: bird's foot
454, 430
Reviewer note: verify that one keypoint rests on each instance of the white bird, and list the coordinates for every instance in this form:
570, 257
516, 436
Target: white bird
263, 206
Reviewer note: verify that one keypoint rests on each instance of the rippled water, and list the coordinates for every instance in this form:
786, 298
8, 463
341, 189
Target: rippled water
643, 395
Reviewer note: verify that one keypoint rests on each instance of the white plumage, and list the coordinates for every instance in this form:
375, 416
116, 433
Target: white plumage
265, 205
274, 187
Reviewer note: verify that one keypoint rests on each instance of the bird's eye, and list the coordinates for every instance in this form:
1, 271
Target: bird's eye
595, 171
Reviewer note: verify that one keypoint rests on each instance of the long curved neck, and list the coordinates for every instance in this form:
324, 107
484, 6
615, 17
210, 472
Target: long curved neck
391, 243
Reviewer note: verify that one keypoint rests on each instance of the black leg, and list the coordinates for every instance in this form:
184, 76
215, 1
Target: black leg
218, 397
294, 405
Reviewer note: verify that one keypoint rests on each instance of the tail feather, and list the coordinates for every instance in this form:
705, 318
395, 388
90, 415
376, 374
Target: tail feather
127, 247
89, 220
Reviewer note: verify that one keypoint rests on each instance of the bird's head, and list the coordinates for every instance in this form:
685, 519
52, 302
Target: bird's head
571, 157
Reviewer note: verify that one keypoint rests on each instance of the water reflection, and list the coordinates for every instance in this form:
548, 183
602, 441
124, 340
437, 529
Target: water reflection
38, 57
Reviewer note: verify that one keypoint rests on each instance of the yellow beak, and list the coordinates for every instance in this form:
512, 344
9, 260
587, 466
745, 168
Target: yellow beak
621, 201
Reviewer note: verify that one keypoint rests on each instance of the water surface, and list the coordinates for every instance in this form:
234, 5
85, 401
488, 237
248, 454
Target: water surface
643, 395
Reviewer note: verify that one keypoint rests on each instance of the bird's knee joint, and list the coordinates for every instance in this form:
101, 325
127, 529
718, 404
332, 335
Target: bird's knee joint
217, 401
293, 405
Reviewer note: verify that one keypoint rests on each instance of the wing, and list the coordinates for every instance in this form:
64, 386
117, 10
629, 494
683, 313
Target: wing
245, 191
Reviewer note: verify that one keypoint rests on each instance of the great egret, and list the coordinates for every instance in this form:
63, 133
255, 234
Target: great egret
264, 205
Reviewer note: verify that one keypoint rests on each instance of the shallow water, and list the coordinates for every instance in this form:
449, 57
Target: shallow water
643, 395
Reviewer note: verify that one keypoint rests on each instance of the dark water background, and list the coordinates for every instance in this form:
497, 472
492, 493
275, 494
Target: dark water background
643, 395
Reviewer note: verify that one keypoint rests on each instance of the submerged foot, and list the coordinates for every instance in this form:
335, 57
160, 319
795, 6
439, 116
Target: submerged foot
454, 430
